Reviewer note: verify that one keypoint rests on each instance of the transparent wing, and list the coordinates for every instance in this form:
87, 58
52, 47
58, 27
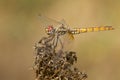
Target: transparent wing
45, 22
67, 41
63, 22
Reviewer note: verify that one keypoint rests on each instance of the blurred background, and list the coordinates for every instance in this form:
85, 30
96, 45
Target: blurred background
98, 52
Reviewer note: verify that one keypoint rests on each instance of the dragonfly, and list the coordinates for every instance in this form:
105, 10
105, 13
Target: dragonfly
56, 29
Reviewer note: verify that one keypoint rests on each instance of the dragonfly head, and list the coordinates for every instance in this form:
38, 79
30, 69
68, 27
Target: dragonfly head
50, 30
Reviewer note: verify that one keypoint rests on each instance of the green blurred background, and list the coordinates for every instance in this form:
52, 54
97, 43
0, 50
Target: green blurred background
98, 52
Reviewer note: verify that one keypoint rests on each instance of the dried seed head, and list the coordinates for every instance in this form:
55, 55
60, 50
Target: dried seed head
51, 64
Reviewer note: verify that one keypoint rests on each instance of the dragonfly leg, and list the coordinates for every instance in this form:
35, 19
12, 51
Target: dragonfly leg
50, 38
61, 43
55, 41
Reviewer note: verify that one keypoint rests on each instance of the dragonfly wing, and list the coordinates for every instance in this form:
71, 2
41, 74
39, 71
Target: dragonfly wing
67, 41
63, 21
45, 21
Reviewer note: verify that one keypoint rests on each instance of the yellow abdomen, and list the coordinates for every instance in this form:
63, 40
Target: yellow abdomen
91, 29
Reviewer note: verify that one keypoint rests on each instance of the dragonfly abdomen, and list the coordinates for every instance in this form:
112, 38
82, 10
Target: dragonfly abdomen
91, 29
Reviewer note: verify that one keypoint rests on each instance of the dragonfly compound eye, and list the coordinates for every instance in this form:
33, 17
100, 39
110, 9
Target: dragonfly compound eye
49, 30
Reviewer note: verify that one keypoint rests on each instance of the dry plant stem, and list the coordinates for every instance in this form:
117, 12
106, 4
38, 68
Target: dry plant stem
52, 64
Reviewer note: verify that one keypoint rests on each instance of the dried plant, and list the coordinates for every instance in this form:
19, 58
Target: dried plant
52, 64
